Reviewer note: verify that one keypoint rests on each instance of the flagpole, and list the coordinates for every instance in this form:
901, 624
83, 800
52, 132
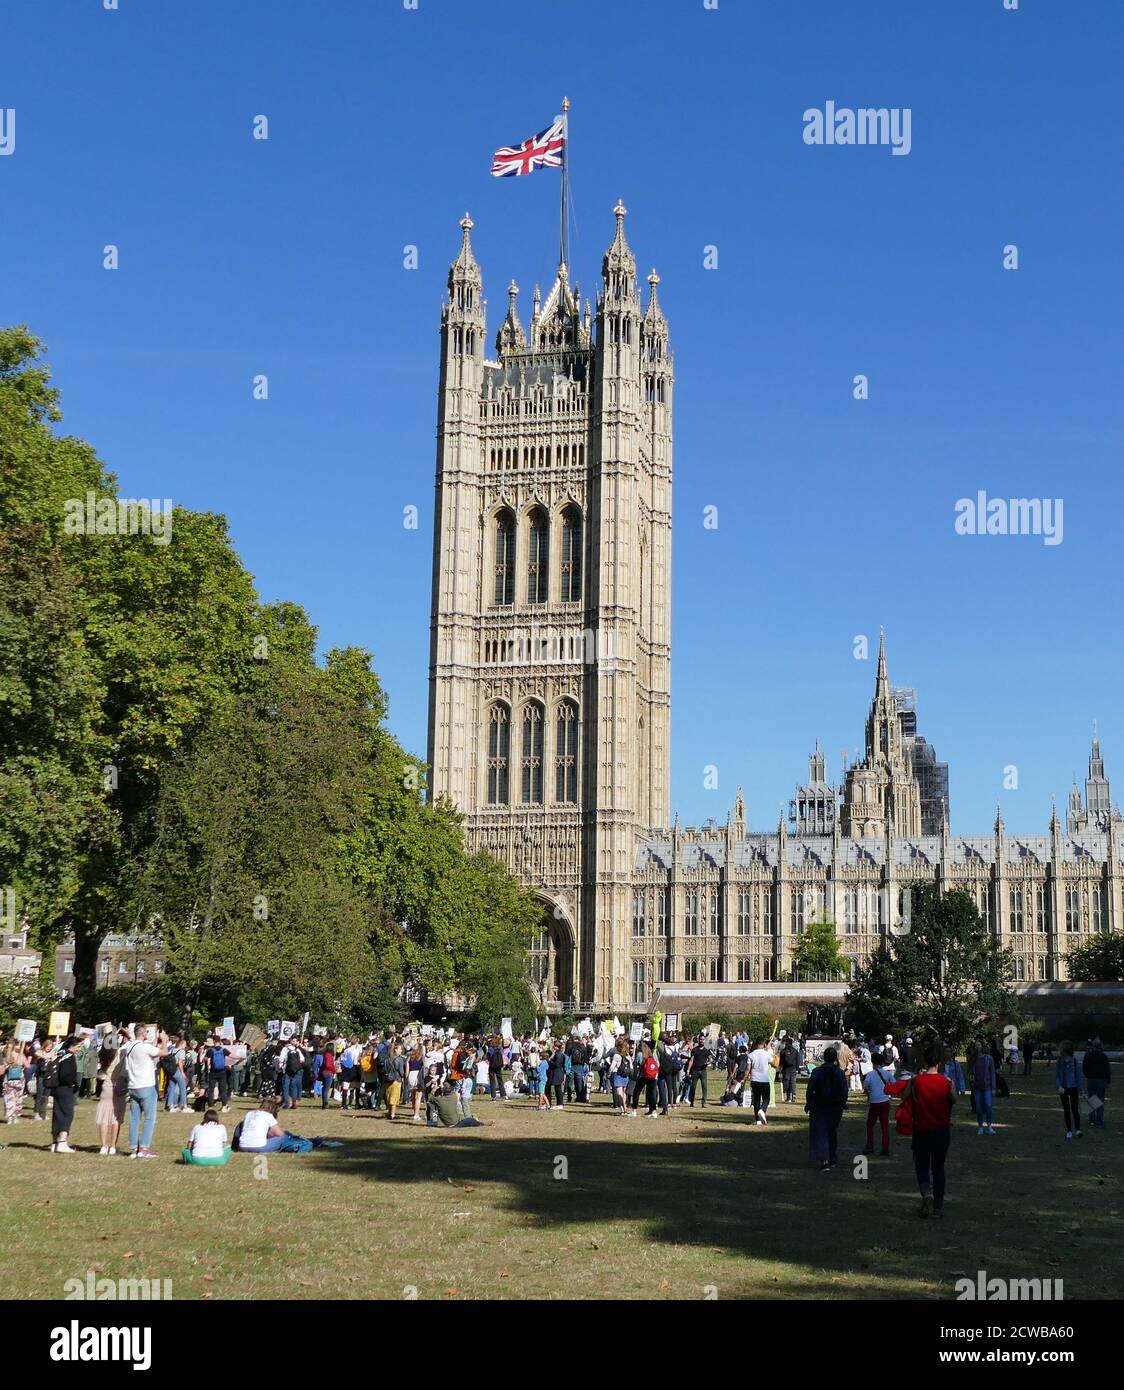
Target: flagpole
563, 248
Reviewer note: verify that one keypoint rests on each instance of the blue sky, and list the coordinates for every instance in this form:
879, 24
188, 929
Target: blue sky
835, 516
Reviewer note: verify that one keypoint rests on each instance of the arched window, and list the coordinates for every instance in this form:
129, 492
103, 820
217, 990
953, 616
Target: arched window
538, 557
499, 751
531, 764
505, 559
566, 754
571, 555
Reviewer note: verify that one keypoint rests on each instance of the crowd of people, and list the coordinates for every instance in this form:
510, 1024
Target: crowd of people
433, 1076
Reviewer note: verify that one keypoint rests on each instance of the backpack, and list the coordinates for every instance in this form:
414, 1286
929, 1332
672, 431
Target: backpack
365, 1062
903, 1116
50, 1074
651, 1066
624, 1067
386, 1066
790, 1057
294, 1062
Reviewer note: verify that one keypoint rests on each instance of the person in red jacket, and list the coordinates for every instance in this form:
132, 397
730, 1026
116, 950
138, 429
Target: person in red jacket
931, 1096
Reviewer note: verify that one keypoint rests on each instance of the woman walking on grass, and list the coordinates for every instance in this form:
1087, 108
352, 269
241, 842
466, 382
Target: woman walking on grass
931, 1096
983, 1088
15, 1059
1071, 1087
110, 1114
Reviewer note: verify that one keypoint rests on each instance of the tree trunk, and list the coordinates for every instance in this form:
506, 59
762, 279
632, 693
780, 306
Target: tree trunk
87, 939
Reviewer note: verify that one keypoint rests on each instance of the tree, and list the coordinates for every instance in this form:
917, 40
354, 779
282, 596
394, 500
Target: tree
945, 974
817, 955
1099, 958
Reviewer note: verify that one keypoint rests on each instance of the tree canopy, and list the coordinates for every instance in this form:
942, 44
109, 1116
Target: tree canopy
174, 758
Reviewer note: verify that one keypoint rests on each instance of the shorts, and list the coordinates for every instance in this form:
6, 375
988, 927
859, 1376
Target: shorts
620, 1083
393, 1092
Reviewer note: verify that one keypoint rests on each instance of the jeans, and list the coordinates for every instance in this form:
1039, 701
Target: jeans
788, 1080
930, 1149
142, 1101
466, 1086
495, 1085
580, 1075
698, 1078
326, 1080
176, 1094
1097, 1088
238, 1078
1071, 1109
291, 1087
981, 1103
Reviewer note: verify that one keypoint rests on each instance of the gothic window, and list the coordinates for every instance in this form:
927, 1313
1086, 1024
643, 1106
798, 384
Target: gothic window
1096, 892
715, 968
766, 969
499, 752
571, 555
663, 972
691, 914
1041, 911
745, 915
767, 912
851, 910
661, 911
504, 590
1073, 909
538, 557
1015, 902
797, 910
639, 920
566, 754
639, 982
531, 765
745, 970
691, 971
715, 911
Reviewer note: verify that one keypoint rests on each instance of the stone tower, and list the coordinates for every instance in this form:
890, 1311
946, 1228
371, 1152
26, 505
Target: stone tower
549, 705
881, 794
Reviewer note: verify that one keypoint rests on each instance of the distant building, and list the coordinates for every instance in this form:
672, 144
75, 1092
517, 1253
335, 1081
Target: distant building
122, 960
17, 958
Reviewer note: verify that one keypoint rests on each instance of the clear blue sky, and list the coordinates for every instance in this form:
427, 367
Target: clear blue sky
285, 257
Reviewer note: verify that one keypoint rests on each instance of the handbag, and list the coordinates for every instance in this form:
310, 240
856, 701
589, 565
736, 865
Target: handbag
903, 1116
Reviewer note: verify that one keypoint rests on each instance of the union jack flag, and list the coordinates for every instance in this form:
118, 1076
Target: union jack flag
541, 151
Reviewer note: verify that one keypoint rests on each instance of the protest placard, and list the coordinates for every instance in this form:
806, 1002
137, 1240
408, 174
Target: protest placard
58, 1025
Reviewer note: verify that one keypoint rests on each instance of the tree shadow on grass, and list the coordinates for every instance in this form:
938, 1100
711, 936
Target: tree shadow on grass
740, 1190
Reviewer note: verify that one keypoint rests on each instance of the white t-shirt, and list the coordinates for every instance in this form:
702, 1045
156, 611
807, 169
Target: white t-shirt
759, 1064
140, 1065
874, 1084
208, 1141
255, 1129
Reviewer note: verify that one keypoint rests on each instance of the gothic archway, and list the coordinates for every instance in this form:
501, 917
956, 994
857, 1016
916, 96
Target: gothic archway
551, 957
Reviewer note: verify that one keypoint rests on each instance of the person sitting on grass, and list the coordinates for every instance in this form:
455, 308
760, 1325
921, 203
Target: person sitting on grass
445, 1103
259, 1133
207, 1143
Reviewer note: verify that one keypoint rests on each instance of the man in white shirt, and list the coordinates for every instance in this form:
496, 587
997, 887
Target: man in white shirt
140, 1058
889, 1054
761, 1066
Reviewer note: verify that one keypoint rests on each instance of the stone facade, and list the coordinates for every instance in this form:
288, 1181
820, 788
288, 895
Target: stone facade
549, 715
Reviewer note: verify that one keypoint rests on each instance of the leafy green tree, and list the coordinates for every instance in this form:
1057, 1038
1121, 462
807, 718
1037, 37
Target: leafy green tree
946, 974
817, 955
1101, 957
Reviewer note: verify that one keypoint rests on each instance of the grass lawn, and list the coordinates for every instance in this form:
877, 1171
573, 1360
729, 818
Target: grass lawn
652, 1208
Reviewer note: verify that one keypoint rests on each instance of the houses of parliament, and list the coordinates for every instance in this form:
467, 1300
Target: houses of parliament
550, 680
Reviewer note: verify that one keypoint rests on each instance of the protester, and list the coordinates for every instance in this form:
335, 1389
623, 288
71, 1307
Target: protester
789, 1069
825, 1098
762, 1063
1097, 1073
327, 1075
878, 1103
114, 1093
1028, 1056
696, 1071
931, 1097
981, 1073
445, 1103
1071, 1086
15, 1082
140, 1058
207, 1142
292, 1059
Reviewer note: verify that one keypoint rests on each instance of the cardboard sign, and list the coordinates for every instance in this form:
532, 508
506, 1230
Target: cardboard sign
714, 1031
670, 1023
25, 1030
288, 1029
227, 1030
505, 1029
273, 1027
636, 1032
59, 1024
251, 1034
304, 1024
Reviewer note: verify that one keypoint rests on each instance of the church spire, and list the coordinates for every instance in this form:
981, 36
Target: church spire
882, 680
